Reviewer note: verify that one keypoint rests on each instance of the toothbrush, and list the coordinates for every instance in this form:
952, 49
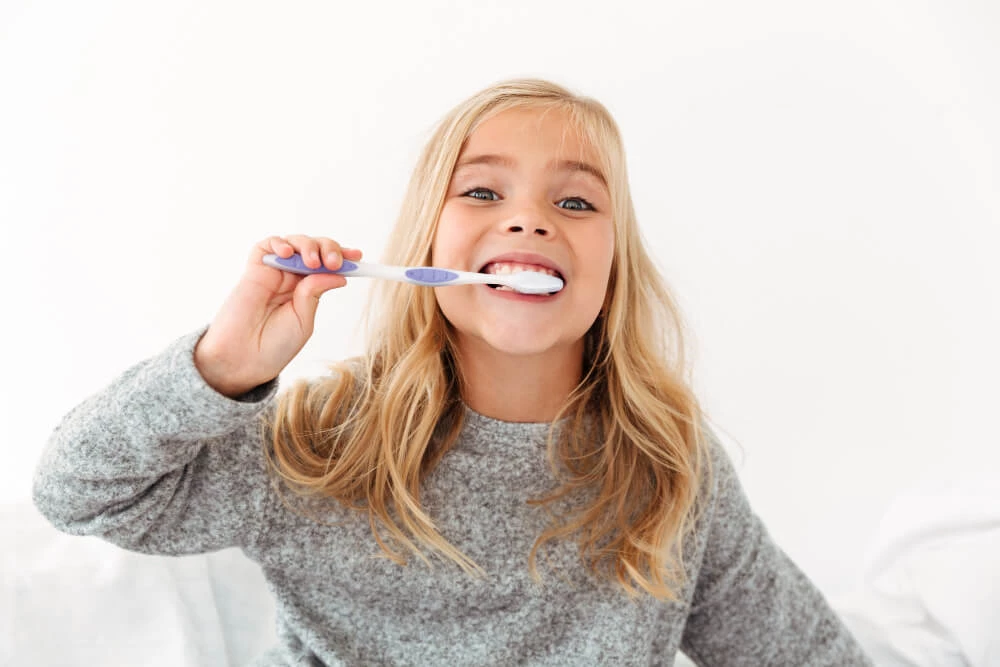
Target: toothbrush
528, 282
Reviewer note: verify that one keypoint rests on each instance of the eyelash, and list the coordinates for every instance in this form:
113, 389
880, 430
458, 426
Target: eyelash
480, 189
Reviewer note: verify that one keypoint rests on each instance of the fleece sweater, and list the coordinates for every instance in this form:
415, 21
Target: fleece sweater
158, 462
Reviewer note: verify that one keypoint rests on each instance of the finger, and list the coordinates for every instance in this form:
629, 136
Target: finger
334, 253
272, 244
331, 252
308, 248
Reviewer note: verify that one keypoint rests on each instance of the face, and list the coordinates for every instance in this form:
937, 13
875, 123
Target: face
525, 182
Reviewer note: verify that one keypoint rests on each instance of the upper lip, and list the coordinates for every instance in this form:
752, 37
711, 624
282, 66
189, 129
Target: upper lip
525, 258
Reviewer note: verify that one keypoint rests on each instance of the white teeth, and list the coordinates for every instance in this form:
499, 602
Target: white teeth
515, 267
508, 268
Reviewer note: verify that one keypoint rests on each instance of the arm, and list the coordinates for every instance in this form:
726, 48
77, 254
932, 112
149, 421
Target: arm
751, 604
158, 461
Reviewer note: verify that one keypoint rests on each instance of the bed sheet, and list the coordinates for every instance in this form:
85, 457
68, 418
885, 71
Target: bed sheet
71, 600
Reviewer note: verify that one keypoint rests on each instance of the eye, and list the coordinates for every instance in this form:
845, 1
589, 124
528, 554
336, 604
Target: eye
480, 190
580, 205
588, 206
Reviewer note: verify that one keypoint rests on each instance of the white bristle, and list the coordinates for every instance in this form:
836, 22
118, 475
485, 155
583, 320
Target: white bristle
534, 282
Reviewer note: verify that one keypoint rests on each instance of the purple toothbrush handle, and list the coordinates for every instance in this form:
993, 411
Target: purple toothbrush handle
421, 275
294, 264
431, 276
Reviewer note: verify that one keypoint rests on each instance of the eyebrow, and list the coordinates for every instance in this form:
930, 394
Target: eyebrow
510, 163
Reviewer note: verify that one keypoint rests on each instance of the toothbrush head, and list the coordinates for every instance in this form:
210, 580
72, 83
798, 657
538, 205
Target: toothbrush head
534, 282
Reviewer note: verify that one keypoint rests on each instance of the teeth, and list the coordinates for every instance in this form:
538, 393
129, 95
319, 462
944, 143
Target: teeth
514, 267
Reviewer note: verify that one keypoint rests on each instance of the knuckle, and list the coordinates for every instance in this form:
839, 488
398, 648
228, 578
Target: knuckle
329, 245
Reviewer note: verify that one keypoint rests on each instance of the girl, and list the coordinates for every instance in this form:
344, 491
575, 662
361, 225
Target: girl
499, 479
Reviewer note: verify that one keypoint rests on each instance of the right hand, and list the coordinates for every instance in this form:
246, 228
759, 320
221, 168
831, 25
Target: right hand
269, 316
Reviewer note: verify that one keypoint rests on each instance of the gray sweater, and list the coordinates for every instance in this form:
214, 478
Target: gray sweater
160, 463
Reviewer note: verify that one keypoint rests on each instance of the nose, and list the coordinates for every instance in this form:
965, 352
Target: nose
541, 230
531, 220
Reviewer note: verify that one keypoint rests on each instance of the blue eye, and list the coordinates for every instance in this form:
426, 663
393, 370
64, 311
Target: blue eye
587, 204
474, 190
583, 205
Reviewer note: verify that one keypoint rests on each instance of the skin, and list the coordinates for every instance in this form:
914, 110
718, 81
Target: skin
269, 315
522, 359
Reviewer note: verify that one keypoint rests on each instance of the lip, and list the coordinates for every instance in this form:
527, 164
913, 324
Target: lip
524, 257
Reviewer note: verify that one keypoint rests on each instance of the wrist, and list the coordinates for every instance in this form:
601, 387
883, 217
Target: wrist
217, 374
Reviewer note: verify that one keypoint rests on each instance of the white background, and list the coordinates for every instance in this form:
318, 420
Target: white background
818, 182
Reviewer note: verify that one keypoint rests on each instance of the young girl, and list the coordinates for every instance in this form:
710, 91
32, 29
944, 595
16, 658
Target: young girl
500, 479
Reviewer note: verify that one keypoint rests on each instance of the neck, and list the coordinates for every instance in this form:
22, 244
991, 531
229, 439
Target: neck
521, 388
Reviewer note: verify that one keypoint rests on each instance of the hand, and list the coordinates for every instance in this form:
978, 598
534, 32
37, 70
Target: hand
269, 316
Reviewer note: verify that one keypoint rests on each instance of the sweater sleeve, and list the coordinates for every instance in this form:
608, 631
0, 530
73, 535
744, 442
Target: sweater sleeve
752, 605
159, 462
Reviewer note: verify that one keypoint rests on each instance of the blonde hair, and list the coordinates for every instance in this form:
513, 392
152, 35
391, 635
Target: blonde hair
367, 435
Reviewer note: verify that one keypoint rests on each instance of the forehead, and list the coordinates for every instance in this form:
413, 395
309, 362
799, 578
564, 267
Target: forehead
518, 135
551, 126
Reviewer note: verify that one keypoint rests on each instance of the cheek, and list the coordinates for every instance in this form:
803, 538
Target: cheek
439, 245
601, 252
446, 240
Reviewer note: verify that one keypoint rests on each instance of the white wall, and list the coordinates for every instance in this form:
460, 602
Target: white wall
818, 181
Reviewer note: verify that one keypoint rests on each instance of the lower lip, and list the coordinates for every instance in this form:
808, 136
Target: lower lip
518, 296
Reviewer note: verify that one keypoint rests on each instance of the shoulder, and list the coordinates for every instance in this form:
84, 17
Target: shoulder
720, 481
727, 517
722, 515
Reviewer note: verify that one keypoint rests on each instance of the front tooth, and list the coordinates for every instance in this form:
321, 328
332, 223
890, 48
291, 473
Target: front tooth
514, 267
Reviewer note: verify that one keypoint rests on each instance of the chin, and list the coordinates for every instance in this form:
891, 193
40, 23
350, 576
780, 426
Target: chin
517, 348
519, 342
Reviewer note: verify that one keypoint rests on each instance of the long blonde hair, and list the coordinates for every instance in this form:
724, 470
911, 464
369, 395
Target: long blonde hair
368, 434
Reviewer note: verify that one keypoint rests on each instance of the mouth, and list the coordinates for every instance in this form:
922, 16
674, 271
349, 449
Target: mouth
510, 268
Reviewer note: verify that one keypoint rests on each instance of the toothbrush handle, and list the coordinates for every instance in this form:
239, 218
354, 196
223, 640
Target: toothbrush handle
417, 275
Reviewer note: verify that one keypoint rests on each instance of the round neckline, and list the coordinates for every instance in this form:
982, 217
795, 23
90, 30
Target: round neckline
483, 422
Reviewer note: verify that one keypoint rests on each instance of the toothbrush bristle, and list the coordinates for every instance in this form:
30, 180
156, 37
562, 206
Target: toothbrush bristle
534, 282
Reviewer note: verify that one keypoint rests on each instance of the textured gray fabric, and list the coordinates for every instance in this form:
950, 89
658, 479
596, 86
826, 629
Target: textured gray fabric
160, 463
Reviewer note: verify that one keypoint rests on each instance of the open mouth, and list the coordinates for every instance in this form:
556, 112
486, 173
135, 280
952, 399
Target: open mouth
520, 269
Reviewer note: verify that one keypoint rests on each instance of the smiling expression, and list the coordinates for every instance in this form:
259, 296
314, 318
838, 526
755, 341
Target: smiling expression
525, 182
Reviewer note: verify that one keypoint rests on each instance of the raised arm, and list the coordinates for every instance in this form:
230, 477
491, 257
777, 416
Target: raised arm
159, 461
169, 458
